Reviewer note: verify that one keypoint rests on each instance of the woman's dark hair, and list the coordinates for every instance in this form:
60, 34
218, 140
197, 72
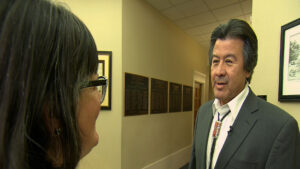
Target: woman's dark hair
240, 29
46, 54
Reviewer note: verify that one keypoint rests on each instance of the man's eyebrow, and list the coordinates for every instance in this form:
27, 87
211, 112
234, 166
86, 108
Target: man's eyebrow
215, 56
230, 56
227, 56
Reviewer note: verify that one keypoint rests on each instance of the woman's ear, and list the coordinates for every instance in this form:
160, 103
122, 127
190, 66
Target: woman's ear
54, 152
51, 121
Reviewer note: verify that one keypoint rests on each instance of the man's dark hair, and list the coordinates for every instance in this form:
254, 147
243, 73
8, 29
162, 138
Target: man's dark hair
46, 54
239, 29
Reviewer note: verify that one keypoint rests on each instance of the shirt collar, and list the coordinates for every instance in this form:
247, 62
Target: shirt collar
234, 105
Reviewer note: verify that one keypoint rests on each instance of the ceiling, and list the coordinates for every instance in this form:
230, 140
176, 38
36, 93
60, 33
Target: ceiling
198, 18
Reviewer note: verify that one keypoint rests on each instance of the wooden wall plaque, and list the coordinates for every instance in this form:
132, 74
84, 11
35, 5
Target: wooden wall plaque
175, 97
187, 98
136, 94
159, 96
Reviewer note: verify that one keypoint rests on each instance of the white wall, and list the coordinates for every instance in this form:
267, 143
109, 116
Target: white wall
104, 20
154, 47
267, 18
145, 43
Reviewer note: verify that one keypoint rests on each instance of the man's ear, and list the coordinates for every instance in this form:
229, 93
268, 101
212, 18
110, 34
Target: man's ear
247, 74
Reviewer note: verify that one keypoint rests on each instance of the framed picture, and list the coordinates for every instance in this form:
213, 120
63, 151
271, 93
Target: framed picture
289, 75
104, 69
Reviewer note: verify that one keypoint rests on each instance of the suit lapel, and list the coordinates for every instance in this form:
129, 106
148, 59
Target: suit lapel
203, 135
243, 124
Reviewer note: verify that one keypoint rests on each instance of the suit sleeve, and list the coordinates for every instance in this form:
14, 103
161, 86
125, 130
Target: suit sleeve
192, 164
285, 152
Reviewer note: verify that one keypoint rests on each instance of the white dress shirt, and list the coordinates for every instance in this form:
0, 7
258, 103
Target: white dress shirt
234, 106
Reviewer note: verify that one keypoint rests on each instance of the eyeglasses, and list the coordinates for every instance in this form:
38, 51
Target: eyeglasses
101, 84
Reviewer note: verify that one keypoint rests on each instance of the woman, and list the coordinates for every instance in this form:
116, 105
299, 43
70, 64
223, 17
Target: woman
49, 97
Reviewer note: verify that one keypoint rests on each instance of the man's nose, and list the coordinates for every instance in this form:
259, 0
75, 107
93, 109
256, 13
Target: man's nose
220, 69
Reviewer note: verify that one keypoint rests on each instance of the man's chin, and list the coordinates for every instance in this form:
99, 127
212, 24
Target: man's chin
219, 95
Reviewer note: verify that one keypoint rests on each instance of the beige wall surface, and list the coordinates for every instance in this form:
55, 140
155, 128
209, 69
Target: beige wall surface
104, 20
267, 18
154, 47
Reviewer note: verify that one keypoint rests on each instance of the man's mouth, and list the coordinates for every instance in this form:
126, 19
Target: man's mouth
220, 84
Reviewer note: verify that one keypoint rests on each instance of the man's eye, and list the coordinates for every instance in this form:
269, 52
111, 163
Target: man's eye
229, 61
215, 61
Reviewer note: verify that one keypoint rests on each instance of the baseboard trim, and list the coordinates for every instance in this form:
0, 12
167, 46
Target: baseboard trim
172, 161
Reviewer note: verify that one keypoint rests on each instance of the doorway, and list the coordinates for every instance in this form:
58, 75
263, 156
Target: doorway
197, 98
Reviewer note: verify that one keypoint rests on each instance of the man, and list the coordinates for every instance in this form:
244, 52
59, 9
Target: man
238, 130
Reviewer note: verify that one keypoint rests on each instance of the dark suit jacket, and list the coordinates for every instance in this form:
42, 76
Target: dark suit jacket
263, 137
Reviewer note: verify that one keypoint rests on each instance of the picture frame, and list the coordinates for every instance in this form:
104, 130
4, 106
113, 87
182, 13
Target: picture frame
289, 73
104, 69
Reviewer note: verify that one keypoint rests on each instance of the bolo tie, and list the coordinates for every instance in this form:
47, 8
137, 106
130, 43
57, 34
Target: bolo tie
216, 132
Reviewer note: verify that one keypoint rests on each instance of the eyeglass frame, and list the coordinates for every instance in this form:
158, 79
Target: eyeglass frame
101, 81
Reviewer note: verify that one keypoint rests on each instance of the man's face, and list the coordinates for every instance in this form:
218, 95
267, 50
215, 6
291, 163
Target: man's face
228, 76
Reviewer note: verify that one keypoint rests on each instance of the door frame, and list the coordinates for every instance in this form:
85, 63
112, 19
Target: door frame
200, 78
